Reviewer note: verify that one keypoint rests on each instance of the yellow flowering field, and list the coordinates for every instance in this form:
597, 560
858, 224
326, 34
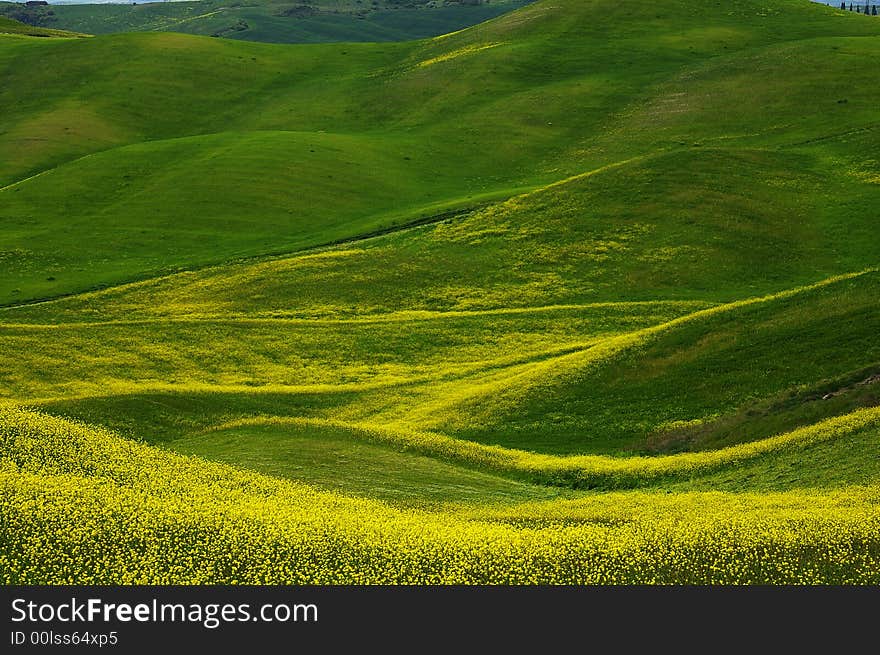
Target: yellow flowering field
580, 294
81, 505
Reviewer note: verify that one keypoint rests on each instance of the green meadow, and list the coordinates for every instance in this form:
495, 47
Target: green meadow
584, 293
272, 21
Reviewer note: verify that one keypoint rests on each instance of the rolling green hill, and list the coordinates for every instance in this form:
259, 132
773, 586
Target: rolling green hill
567, 296
155, 517
9, 27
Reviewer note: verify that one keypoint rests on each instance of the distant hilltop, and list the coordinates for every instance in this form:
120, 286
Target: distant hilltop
274, 21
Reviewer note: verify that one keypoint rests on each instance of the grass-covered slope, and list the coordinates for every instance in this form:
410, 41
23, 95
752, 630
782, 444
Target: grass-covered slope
594, 378
162, 205
566, 296
272, 21
118, 512
9, 26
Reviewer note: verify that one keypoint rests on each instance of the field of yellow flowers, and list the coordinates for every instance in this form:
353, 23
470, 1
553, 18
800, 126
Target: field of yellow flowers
148, 440
194, 444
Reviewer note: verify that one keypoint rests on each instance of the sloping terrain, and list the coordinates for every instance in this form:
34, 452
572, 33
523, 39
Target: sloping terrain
9, 26
270, 21
564, 297
555, 102
125, 513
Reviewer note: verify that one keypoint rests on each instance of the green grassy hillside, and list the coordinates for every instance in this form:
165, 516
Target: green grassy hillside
554, 102
271, 21
562, 297
9, 27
